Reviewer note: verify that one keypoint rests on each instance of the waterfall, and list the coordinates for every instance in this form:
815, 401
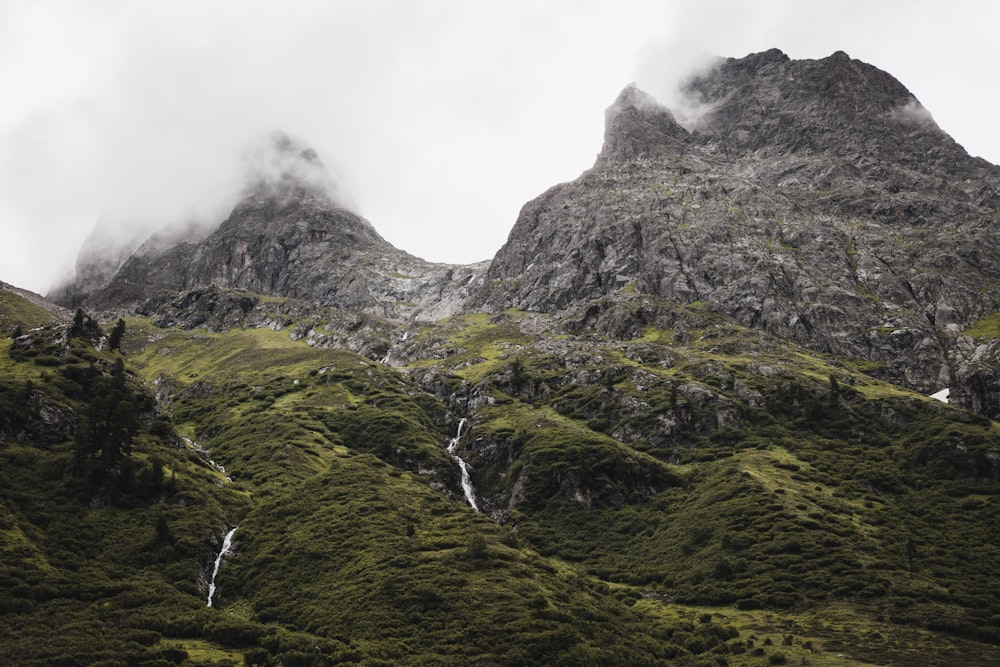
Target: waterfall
227, 543
470, 495
203, 453
388, 353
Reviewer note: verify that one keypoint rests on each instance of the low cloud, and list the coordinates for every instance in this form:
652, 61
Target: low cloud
670, 89
914, 114
281, 164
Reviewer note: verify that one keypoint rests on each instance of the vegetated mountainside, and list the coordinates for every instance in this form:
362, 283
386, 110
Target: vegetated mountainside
26, 309
350, 547
816, 200
807, 509
107, 519
662, 475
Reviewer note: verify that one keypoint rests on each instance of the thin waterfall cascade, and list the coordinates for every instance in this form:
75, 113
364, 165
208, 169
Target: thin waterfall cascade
467, 489
388, 353
227, 545
203, 453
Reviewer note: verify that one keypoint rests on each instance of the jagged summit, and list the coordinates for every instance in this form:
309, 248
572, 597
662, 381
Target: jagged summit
816, 199
279, 174
287, 183
768, 103
636, 124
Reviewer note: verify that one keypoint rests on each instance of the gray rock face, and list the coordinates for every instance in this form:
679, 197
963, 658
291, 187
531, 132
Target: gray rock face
817, 200
288, 237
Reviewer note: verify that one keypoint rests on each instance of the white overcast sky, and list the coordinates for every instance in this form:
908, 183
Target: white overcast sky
440, 118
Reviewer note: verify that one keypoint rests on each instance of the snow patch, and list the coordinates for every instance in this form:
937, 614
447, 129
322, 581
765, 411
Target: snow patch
942, 395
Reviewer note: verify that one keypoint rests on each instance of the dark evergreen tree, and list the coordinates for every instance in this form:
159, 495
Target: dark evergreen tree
76, 330
162, 530
84, 326
115, 339
18, 407
105, 432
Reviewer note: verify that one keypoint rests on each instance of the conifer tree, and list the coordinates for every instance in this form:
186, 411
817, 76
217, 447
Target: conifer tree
106, 430
115, 339
77, 329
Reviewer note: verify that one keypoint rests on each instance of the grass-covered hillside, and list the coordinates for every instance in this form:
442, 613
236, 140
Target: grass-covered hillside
705, 463
658, 486
107, 519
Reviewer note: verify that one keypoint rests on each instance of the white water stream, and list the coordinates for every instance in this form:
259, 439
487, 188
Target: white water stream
388, 353
203, 453
470, 494
227, 543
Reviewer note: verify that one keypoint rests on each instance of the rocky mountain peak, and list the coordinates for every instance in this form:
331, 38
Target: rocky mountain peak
287, 184
816, 199
290, 235
768, 102
637, 124
281, 171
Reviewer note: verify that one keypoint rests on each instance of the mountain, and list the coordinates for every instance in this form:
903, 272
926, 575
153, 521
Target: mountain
287, 236
681, 417
816, 200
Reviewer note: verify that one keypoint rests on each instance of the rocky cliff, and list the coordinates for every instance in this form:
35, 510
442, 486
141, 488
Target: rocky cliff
816, 199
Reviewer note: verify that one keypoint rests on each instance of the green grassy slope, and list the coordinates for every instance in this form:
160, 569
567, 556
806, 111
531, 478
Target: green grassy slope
353, 545
98, 566
17, 311
693, 494
357, 533
742, 472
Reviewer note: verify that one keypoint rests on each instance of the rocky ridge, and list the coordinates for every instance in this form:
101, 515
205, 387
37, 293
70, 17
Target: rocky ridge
814, 199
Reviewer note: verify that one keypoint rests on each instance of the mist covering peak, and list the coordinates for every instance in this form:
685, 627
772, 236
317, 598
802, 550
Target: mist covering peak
636, 123
283, 167
769, 102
